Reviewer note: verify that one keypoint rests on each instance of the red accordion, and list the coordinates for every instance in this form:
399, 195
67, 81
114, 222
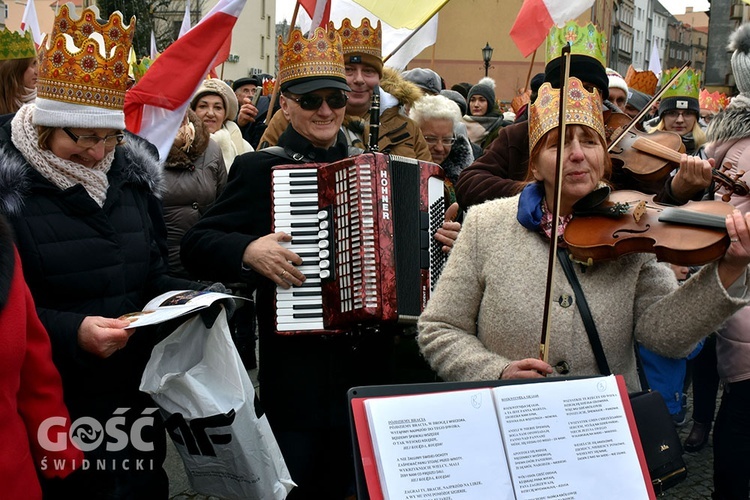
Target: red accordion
364, 229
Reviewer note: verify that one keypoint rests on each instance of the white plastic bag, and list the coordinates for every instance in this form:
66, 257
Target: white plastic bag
200, 384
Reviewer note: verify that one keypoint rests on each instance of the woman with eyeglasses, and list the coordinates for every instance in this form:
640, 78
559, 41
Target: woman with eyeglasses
679, 110
438, 117
82, 197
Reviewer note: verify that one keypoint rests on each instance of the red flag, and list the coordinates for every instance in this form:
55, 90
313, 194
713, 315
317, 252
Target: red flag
536, 17
318, 10
222, 55
155, 106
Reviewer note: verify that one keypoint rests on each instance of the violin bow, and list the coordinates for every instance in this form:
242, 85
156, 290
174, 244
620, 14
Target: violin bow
647, 107
565, 68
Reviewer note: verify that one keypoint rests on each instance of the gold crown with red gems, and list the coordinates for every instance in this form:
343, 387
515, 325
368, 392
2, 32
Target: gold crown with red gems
84, 61
319, 56
362, 44
583, 108
14, 45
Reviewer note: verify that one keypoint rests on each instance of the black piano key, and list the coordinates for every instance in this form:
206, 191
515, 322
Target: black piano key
308, 254
304, 233
307, 284
312, 182
305, 224
301, 307
303, 191
304, 212
305, 241
303, 204
303, 174
306, 294
307, 315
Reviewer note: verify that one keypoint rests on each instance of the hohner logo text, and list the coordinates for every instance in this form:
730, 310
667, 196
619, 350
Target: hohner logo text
384, 198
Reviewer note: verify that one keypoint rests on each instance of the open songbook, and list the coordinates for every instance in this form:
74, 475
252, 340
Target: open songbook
559, 439
174, 304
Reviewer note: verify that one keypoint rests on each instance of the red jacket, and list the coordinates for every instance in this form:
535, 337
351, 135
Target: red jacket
30, 387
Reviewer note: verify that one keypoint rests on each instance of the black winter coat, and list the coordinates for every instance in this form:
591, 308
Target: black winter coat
82, 260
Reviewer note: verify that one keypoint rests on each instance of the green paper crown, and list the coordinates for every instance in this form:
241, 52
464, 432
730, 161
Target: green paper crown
688, 85
585, 40
140, 67
14, 45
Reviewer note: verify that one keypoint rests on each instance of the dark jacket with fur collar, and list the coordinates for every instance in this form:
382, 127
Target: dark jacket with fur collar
84, 260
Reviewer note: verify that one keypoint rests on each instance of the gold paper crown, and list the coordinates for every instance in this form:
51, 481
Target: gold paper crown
585, 40
687, 85
362, 40
320, 56
642, 81
113, 31
14, 45
713, 101
583, 108
86, 62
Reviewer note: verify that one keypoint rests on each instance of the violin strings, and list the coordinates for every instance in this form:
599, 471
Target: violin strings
683, 216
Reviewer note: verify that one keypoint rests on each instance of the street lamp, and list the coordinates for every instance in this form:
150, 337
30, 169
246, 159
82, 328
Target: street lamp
487, 56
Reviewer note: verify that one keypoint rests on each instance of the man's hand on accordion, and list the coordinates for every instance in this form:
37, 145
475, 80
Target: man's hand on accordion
267, 257
449, 232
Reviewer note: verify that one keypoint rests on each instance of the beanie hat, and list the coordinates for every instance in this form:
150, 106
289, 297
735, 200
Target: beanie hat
218, 87
486, 89
679, 102
425, 79
616, 80
462, 88
739, 42
455, 97
637, 99
585, 68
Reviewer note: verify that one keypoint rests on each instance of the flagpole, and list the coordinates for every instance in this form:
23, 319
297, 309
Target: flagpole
405, 40
531, 67
276, 84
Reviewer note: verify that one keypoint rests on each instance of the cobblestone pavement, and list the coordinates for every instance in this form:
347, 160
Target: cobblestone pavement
697, 486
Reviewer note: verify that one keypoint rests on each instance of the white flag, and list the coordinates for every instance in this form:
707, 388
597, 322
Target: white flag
154, 52
185, 20
654, 63
29, 21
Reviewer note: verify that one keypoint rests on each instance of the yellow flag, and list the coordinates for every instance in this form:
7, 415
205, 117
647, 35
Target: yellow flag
405, 13
131, 61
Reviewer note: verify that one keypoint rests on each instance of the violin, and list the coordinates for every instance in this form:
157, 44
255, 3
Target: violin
608, 225
653, 156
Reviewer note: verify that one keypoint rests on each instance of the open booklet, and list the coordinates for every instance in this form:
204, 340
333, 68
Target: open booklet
561, 439
173, 304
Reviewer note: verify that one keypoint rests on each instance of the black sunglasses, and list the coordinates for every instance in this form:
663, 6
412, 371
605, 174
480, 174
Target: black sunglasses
311, 102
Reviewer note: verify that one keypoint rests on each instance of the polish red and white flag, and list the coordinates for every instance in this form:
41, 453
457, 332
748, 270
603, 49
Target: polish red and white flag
29, 22
318, 10
536, 17
155, 106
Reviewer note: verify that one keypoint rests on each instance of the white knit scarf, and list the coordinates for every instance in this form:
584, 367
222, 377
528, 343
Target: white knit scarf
60, 172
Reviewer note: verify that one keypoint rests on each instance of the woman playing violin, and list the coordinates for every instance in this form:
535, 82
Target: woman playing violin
679, 110
498, 268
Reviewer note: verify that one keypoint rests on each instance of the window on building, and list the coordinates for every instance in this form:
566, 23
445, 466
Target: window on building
262, 46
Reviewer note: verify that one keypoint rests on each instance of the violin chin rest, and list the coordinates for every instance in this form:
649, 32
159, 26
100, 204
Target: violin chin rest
592, 200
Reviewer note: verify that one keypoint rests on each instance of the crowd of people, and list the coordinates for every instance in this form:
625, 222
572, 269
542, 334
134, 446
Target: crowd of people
93, 225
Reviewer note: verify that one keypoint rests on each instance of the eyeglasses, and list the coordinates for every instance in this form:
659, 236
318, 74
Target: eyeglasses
685, 113
92, 141
311, 102
445, 141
